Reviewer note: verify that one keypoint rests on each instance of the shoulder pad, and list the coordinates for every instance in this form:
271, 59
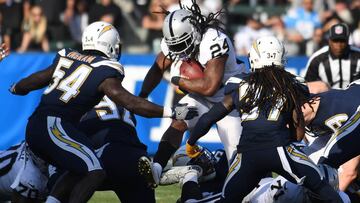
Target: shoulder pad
233, 82
112, 64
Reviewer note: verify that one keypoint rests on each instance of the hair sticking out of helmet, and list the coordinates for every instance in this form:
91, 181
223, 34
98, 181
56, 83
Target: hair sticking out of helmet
266, 51
103, 37
184, 28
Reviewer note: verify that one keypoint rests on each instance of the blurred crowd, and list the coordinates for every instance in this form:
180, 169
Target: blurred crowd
48, 25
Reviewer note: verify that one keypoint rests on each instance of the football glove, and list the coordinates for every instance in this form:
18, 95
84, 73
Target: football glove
193, 151
184, 112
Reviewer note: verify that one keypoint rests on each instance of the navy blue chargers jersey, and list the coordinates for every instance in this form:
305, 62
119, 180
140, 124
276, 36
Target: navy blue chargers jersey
113, 122
74, 87
336, 107
261, 128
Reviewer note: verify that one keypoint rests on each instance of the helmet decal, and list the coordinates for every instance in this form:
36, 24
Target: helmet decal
105, 29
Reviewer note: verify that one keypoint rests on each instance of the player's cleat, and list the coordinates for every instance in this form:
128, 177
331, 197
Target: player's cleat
150, 171
176, 173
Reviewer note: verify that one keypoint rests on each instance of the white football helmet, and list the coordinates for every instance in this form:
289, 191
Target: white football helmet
103, 37
266, 51
180, 35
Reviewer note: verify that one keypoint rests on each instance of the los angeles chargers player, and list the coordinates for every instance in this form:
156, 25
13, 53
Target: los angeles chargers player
270, 100
189, 34
76, 82
112, 128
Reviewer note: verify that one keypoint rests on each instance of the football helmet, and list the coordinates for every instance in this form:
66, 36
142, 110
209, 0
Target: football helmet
103, 37
206, 161
180, 35
266, 51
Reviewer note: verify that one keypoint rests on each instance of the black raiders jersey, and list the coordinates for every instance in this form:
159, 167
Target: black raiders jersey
261, 128
336, 107
74, 87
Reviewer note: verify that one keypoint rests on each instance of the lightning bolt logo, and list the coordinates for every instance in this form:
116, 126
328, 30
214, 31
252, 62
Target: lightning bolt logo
56, 132
105, 29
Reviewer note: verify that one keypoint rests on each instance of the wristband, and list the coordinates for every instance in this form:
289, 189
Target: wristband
167, 112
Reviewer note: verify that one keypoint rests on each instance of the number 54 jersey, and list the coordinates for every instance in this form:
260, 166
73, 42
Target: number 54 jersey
74, 87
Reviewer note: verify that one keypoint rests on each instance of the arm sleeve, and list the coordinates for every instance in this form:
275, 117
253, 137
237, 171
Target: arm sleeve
217, 112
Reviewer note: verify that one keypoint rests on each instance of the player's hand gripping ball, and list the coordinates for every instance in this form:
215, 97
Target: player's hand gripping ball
191, 69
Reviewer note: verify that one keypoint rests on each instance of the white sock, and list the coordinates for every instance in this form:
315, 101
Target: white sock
157, 169
191, 176
51, 199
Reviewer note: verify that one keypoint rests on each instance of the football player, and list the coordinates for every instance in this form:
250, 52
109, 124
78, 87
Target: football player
337, 112
270, 101
190, 35
13, 162
112, 129
76, 82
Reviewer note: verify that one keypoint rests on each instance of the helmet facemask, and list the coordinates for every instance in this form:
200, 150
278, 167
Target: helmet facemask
180, 34
183, 46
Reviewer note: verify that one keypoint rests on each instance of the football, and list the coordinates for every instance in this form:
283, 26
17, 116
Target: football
191, 69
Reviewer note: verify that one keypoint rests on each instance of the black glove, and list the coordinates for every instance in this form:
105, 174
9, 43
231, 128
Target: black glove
184, 112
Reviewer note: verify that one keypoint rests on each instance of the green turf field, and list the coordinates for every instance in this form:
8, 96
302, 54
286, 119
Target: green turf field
164, 194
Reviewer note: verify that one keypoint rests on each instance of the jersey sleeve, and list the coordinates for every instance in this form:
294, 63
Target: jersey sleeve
108, 69
213, 45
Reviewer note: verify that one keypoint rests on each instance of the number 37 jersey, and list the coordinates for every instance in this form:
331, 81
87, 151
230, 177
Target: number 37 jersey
74, 87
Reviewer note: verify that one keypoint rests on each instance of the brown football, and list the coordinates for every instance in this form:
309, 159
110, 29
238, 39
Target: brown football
191, 69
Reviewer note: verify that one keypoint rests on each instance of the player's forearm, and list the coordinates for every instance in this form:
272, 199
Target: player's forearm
152, 79
217, 112
35, 81
201, 86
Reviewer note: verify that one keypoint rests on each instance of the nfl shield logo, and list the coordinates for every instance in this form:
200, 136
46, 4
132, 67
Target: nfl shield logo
339, 30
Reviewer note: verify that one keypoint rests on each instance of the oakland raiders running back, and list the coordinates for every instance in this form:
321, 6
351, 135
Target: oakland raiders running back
190, 35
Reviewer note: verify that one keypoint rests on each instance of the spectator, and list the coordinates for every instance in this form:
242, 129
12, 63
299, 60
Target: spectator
153, 22
12, 11
246, 35
34, 36
337, 63
76, 18
301, 24
106, 7
56, 29
277, 26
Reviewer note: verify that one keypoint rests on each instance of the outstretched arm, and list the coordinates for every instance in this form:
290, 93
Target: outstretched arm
113, 88
217, 112
155, 74
210, 83
35, 81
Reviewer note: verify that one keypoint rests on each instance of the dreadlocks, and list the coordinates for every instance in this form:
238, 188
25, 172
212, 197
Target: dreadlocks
271, 86
201, 22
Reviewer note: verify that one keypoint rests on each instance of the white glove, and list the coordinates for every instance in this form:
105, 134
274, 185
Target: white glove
175, 69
